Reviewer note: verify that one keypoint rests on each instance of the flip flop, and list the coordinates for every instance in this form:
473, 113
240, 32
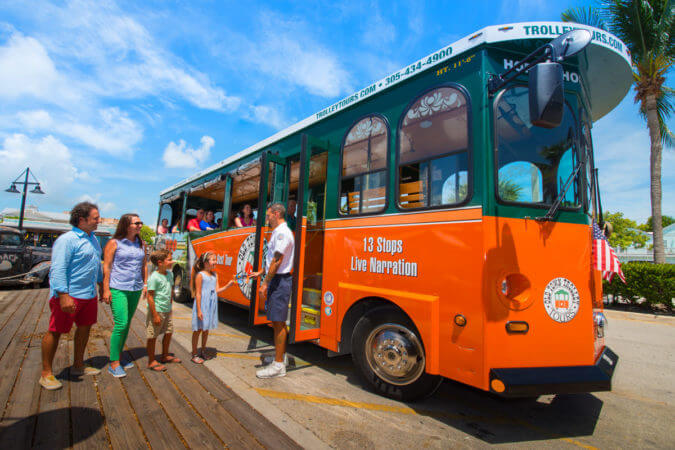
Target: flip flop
157, 367
197, 360
171, 360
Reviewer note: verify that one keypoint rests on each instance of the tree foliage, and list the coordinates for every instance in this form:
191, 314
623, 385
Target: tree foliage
647, 27
509, 190
587, 16
147, 234
624, 232
665, 220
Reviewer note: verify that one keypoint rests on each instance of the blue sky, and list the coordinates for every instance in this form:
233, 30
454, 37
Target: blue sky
115, 101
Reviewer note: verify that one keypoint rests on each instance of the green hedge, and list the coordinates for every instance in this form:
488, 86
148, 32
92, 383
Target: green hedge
654, 282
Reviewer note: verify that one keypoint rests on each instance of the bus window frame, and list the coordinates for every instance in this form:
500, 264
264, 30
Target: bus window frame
495, 150
385, 170
589, 164
469, 151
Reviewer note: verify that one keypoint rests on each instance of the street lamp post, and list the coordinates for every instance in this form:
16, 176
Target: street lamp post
36, 190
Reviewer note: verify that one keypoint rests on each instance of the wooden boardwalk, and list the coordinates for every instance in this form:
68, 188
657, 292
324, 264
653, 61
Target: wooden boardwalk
186, 406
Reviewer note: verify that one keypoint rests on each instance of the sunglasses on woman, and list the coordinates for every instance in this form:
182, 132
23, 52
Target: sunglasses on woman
137, 223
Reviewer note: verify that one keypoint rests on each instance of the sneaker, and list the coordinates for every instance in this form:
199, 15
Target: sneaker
126, 365
50, 383
117, 372
276, 369
84, 370
269, 359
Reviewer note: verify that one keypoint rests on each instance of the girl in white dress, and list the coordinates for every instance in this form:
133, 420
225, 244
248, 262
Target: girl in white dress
204, 286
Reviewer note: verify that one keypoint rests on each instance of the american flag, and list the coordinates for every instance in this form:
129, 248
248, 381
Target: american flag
604, 257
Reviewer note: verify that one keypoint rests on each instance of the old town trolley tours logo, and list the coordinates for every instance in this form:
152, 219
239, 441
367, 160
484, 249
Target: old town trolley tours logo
245, 260
561, 300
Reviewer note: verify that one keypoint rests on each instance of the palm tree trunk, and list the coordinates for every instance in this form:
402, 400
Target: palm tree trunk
655, 174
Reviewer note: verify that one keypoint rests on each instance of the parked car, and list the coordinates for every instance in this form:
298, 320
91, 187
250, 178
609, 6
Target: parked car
21, 264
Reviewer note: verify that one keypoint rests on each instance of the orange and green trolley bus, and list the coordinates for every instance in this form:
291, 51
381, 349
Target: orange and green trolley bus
443, 226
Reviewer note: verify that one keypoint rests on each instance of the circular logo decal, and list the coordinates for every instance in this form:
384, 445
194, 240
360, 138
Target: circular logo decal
245, 264
561, 300
328, 310
328, 298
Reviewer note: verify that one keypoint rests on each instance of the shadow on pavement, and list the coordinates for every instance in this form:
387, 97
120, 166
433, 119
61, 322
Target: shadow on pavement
485, 416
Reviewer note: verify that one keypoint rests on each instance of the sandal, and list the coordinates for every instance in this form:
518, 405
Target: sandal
171, 360
157, 367
197, 360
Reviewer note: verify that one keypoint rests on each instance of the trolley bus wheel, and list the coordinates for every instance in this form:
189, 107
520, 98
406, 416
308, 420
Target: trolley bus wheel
388, 351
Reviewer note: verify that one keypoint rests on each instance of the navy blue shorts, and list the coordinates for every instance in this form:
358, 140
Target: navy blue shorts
278, 297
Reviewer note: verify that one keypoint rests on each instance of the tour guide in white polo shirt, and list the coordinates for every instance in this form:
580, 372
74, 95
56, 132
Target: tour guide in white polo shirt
277, 286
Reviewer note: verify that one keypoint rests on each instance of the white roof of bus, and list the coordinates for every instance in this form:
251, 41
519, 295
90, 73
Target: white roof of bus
609, 77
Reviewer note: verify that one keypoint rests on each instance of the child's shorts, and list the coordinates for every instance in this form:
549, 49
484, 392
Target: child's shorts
164, 327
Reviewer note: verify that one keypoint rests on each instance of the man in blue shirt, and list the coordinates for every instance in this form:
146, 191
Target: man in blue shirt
75, 271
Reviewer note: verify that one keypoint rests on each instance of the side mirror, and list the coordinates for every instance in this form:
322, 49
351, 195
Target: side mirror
546, 94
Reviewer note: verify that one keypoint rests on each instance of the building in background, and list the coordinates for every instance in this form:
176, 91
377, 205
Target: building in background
42, 228
646, 253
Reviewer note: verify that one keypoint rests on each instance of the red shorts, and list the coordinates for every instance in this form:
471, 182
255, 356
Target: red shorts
85, 314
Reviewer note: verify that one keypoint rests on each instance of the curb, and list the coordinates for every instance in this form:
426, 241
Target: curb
301, 435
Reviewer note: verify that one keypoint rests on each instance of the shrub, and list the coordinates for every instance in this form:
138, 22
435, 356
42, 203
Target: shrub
653, 282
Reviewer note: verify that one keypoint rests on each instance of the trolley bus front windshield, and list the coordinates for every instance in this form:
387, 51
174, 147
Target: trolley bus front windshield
533, 163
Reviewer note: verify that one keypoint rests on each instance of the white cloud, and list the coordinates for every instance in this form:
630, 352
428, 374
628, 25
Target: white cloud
112, 131
268, 115
104, 207
378, 32
48, 158
183, 156
288, 50
27, 70
621, 144
124, 57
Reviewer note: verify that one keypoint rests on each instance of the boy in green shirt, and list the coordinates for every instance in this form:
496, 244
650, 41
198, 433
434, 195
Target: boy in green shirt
158, 318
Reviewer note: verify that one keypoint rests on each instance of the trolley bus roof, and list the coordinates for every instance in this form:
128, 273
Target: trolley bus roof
608, 77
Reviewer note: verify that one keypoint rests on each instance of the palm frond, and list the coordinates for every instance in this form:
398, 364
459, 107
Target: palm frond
585, 16
647, 27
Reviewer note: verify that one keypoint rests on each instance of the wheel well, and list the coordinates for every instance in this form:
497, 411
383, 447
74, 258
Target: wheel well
355, 312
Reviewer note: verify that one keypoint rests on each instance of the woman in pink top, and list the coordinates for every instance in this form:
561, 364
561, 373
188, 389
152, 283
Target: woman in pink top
245, 218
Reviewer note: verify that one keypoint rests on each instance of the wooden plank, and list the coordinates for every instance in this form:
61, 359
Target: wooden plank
158, 427
14, 354
249, 420
8, 307
228, 429
85, 411
123, 429
19, 418
25, 304
52, 429
179, 407
268, 434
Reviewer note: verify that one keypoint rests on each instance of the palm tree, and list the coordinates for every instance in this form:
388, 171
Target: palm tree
647, 27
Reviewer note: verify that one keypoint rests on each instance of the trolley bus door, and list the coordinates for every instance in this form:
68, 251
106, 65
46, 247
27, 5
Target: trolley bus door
273, 188
309, 241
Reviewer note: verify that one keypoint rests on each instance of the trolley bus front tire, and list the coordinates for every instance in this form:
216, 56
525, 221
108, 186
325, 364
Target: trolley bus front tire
387, 349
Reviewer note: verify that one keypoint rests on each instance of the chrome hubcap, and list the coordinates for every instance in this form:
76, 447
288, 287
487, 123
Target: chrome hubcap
395, 354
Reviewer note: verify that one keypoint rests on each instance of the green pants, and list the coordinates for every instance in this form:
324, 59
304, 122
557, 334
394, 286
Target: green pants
123, 306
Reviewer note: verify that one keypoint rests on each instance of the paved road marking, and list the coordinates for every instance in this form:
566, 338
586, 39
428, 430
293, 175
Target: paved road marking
215, 333
406, 410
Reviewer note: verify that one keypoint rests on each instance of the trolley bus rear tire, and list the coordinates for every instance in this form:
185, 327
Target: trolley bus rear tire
384, 336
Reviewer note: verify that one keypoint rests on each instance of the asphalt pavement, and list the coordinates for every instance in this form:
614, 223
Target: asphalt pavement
322, 401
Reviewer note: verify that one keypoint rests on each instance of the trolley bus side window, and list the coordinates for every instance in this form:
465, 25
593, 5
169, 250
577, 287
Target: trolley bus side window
364, 167
433, 150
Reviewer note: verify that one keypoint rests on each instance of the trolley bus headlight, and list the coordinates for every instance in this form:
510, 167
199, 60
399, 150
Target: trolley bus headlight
600, 324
